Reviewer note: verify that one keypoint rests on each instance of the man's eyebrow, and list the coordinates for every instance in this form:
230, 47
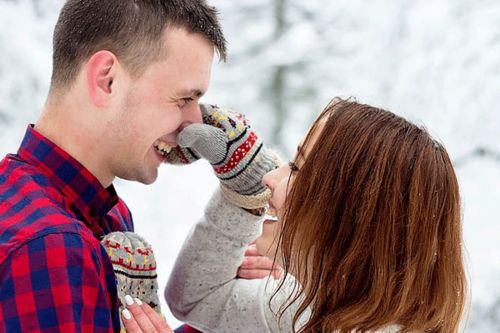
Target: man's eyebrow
192, 92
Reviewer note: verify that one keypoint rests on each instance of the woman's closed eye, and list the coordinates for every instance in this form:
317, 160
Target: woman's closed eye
293, 166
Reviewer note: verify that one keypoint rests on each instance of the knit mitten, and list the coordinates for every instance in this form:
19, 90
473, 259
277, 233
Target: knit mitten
237, 155
180, 155
134, 265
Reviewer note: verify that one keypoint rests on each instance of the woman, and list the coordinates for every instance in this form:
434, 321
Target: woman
368, 233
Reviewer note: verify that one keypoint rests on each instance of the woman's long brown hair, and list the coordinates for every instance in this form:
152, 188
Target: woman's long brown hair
372, 227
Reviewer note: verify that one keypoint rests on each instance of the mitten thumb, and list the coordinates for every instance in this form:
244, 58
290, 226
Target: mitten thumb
207, 141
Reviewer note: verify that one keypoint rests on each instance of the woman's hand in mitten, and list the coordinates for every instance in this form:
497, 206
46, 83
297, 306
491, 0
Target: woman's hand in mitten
238, 156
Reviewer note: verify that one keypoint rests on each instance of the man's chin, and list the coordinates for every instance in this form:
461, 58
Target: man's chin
148, 182
149, 179
145, 178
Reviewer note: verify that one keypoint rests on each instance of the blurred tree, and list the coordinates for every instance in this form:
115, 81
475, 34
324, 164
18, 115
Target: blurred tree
278, 81
478, 152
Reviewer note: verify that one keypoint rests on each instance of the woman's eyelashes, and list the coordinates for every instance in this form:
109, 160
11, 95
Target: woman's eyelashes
293, 166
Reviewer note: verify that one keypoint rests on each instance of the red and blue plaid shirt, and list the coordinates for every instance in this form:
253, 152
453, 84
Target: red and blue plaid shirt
186, 329
54, 274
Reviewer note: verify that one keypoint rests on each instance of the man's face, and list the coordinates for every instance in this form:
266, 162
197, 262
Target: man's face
157, 105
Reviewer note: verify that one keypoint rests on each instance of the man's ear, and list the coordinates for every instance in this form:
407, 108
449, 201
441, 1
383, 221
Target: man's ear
101, 71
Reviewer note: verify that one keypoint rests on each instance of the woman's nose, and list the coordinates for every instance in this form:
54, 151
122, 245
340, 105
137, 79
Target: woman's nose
269, 179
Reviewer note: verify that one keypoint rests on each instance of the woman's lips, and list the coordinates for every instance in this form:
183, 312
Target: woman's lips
268, 222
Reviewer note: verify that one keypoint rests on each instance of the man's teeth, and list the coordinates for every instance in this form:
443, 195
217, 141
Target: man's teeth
162, 147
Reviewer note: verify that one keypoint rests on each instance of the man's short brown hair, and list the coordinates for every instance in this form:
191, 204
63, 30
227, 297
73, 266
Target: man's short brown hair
131, 29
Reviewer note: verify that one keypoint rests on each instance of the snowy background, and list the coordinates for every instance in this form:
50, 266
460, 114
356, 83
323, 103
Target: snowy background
437, 62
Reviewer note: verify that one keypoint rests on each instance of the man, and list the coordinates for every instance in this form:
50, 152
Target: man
127, 77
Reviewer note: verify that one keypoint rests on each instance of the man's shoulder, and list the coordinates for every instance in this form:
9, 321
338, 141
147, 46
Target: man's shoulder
57, 231
63, 246
18, 177
30, 207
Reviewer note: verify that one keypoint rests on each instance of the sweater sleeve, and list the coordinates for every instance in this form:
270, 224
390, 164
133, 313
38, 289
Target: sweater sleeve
203, 289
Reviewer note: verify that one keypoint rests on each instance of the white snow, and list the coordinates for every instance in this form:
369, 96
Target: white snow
435, 62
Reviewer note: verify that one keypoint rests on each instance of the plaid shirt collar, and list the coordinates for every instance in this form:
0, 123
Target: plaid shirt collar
87, 198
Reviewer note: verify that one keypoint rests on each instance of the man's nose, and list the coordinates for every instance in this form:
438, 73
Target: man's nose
191, 115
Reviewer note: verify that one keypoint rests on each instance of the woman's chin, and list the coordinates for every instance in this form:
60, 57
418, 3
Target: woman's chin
265, 246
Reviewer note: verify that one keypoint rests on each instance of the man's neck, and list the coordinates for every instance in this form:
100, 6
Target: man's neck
64, 126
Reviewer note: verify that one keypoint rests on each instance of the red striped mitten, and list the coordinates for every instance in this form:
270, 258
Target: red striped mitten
238, 156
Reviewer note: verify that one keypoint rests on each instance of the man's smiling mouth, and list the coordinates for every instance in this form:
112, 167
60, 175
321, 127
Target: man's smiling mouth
162, 147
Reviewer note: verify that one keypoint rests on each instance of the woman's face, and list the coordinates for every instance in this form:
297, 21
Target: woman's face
279, 181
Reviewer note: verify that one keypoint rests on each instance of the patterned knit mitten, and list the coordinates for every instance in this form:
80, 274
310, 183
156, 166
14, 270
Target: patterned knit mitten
134, 265
237, 155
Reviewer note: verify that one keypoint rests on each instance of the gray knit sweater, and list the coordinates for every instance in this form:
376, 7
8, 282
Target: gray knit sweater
203, 290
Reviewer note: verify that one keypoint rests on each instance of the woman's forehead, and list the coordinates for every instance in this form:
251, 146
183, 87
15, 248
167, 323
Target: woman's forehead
312, 137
